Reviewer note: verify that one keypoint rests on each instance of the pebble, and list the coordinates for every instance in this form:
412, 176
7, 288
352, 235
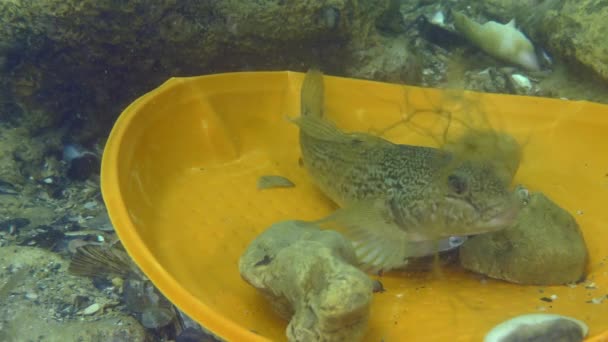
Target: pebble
31, 296
544, 247
154, 318
378, 287
91, 309
522, 81
538, 327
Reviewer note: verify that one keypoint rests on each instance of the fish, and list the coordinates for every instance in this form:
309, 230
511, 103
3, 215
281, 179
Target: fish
396, 200
139, 295
502, 41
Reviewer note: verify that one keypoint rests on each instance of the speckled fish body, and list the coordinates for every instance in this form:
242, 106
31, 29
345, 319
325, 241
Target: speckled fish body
392, 195
337, 167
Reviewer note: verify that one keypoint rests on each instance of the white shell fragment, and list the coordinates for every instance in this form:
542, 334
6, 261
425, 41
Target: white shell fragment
538, 327
91, 309
522, 81
438, 18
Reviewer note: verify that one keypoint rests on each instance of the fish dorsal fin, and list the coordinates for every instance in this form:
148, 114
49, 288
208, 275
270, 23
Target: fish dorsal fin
312, 94
325, 130
379, 243
318, 128
511, 23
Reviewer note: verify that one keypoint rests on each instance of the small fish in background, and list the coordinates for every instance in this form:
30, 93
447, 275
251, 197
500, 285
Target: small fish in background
502, 41
538, 328
396, 198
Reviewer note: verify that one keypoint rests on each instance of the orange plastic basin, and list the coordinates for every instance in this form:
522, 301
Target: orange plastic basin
179, 179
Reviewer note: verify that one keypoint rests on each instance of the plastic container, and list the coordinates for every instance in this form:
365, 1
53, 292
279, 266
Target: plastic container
179, 179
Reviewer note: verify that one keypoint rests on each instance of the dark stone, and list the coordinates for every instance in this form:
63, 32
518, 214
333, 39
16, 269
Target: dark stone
83, 167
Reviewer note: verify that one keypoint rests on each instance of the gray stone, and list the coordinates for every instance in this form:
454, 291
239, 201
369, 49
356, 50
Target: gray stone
545, 247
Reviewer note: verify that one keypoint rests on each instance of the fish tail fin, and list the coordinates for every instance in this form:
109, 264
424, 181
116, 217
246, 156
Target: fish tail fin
92, 260
312, 94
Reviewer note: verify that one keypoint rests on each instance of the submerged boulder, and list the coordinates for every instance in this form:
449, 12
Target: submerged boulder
545, 247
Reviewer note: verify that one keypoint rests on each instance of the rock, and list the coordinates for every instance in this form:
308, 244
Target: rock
65, 57
387, 59
195, 335
157, 317
488, 80
575, 30
545, 247
308, 276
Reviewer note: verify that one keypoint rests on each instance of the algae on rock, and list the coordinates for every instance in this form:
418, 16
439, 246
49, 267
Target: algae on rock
308, 276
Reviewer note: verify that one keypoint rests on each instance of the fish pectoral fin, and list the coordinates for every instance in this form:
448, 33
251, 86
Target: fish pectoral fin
380, 245
379, 248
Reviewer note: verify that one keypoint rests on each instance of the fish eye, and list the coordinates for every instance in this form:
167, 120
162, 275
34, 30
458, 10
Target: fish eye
457, 184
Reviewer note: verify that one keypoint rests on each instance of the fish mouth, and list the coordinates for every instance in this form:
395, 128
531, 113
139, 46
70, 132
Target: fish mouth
505, 218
